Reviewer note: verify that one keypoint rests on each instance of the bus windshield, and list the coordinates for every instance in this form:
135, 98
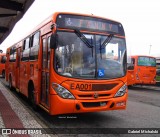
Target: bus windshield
146, 61
74, 58
3, 60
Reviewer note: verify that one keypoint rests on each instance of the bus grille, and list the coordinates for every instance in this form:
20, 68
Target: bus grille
91, 96
103, 87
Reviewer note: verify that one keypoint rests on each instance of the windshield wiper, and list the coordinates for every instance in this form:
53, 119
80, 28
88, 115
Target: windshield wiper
83, 38
105, 43
107, 40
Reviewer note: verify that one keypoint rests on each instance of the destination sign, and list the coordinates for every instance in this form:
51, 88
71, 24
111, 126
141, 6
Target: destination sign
89, 23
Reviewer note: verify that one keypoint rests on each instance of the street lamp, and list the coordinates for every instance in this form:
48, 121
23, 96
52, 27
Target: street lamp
150, 49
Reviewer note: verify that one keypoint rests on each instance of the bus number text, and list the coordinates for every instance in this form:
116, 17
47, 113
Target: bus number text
81, 87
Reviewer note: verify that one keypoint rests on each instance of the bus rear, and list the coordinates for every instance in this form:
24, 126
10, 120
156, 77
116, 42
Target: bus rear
144, 70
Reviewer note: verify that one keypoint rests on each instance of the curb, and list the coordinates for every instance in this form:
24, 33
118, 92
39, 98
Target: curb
158, 83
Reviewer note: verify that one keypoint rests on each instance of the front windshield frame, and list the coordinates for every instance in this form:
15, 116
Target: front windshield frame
94, 72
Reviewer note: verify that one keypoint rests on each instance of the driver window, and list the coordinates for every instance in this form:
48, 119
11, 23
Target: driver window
130, 66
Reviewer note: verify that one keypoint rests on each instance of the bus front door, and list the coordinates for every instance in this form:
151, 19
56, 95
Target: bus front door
45, 71
17, 76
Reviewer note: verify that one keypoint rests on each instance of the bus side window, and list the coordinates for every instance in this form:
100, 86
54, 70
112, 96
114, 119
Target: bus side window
44, 56
132, 61
130, 66
12, 57
25, 52
34, 46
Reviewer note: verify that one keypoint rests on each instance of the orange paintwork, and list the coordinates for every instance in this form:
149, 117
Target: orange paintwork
68, 106
142, 75
26, 72
130, 77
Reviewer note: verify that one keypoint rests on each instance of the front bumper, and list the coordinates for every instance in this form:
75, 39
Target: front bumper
59, 105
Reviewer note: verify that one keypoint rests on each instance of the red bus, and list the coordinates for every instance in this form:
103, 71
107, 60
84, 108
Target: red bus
71, 63
2, 64
142, 70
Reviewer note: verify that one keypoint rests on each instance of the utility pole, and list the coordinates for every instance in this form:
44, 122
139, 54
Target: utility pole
150, 49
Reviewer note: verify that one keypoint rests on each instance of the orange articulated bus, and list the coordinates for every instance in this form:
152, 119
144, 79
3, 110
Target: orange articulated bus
2, 64
142, 70
71, 63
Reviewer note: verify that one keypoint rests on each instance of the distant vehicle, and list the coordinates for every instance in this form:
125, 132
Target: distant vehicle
158, 72
141, 71
71, 63
2, 64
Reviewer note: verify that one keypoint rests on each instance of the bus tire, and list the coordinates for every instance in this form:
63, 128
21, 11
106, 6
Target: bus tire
31, 95
10, 83
130, 86
3, 74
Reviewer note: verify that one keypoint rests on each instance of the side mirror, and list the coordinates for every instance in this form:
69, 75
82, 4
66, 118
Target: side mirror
54, 41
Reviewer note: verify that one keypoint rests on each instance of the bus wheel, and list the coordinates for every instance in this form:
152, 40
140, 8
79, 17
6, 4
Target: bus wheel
10, 83
3, 74
32, 98
130, 86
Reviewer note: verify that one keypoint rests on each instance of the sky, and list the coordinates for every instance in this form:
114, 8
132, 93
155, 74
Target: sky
140, 19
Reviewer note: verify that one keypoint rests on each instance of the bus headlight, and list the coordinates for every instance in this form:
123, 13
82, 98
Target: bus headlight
121, 91
62, 92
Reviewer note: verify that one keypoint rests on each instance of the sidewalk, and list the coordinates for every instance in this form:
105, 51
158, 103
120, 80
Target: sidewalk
14, 115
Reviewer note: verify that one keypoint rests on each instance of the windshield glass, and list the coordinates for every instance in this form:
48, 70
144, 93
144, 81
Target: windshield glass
3, 60
74, 58
146, 61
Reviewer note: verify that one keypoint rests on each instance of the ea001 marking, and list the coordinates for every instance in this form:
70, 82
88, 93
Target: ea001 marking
92, 87
81, 87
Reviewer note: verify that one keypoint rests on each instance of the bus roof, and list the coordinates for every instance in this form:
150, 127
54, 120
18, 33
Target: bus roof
80, 14
52, 19
136, 56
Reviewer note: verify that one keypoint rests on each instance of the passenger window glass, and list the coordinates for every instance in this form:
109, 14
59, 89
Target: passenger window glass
34, 47
26, 49
36, 39
26, 43
44, 53
48, 62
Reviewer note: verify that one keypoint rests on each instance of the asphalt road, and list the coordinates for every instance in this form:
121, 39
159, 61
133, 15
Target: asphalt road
143, 111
